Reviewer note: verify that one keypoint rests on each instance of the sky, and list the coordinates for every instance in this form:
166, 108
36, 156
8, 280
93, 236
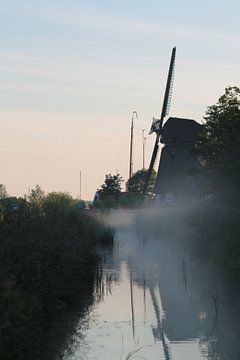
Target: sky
72, 72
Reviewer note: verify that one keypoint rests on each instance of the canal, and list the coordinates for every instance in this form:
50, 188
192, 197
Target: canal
157, 302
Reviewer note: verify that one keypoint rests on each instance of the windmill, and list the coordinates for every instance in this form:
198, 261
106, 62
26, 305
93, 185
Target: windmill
157, 124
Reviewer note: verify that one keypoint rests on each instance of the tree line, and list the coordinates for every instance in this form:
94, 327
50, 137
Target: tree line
110, 194
50, 263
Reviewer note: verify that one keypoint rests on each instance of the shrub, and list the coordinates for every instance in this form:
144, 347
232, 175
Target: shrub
49, 258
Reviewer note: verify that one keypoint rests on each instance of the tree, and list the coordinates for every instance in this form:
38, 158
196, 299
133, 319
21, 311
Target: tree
56, 204
3, 192
110, 189
36, 194
219, 145
136, 183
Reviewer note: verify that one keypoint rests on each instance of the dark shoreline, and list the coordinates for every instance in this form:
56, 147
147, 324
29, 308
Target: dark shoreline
50, 269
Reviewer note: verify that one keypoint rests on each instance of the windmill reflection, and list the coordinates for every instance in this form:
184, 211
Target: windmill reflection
158, 331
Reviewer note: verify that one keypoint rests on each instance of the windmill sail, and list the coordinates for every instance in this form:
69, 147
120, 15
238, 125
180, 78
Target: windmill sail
169, 88
158, 124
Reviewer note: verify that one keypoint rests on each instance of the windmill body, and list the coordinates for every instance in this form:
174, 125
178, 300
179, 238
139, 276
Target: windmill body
175, 181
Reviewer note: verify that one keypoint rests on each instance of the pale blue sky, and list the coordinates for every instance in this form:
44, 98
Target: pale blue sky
72, 71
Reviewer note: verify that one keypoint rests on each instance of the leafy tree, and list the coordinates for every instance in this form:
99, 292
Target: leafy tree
219, 145
3, 191
136, 183
36, 194
110, 190
56, 204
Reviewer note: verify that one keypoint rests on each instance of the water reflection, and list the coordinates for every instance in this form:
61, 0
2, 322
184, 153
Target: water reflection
155, 302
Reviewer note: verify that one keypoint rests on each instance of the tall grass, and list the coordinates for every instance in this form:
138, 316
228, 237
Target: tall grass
49, 258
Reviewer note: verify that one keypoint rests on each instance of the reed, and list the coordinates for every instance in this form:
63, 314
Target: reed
50, 262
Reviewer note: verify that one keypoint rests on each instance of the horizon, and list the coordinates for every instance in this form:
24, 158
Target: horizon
71, 75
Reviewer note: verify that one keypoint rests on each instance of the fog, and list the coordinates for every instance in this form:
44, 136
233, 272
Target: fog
161, 301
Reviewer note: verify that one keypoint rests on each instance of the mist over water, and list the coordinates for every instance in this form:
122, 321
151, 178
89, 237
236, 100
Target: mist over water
159, 301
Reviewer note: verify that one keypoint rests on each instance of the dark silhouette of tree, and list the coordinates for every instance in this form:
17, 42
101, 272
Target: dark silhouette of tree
36, 194
136, 183
109, 193
219, 145
3, 191
110, 188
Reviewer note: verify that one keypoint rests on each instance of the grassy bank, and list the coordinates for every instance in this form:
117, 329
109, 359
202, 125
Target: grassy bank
49, 259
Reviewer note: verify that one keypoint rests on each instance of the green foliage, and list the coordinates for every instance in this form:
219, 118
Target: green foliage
36, 194
136, 183
57, 204
219, 145
135, 186
49, 258
111, 187
3, 191
216, 226
108, 195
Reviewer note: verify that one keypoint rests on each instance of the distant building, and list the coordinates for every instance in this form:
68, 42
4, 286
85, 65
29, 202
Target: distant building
175, 181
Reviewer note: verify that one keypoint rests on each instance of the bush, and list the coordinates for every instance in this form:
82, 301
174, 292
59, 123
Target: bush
49, 258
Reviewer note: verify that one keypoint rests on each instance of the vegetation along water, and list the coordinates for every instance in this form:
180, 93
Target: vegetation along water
50, 267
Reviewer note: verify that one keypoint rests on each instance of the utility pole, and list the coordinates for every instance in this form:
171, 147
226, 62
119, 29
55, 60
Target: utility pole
131, 146
143, 144
131, 151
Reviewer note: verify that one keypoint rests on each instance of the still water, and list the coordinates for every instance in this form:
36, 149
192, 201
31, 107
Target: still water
157, 303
